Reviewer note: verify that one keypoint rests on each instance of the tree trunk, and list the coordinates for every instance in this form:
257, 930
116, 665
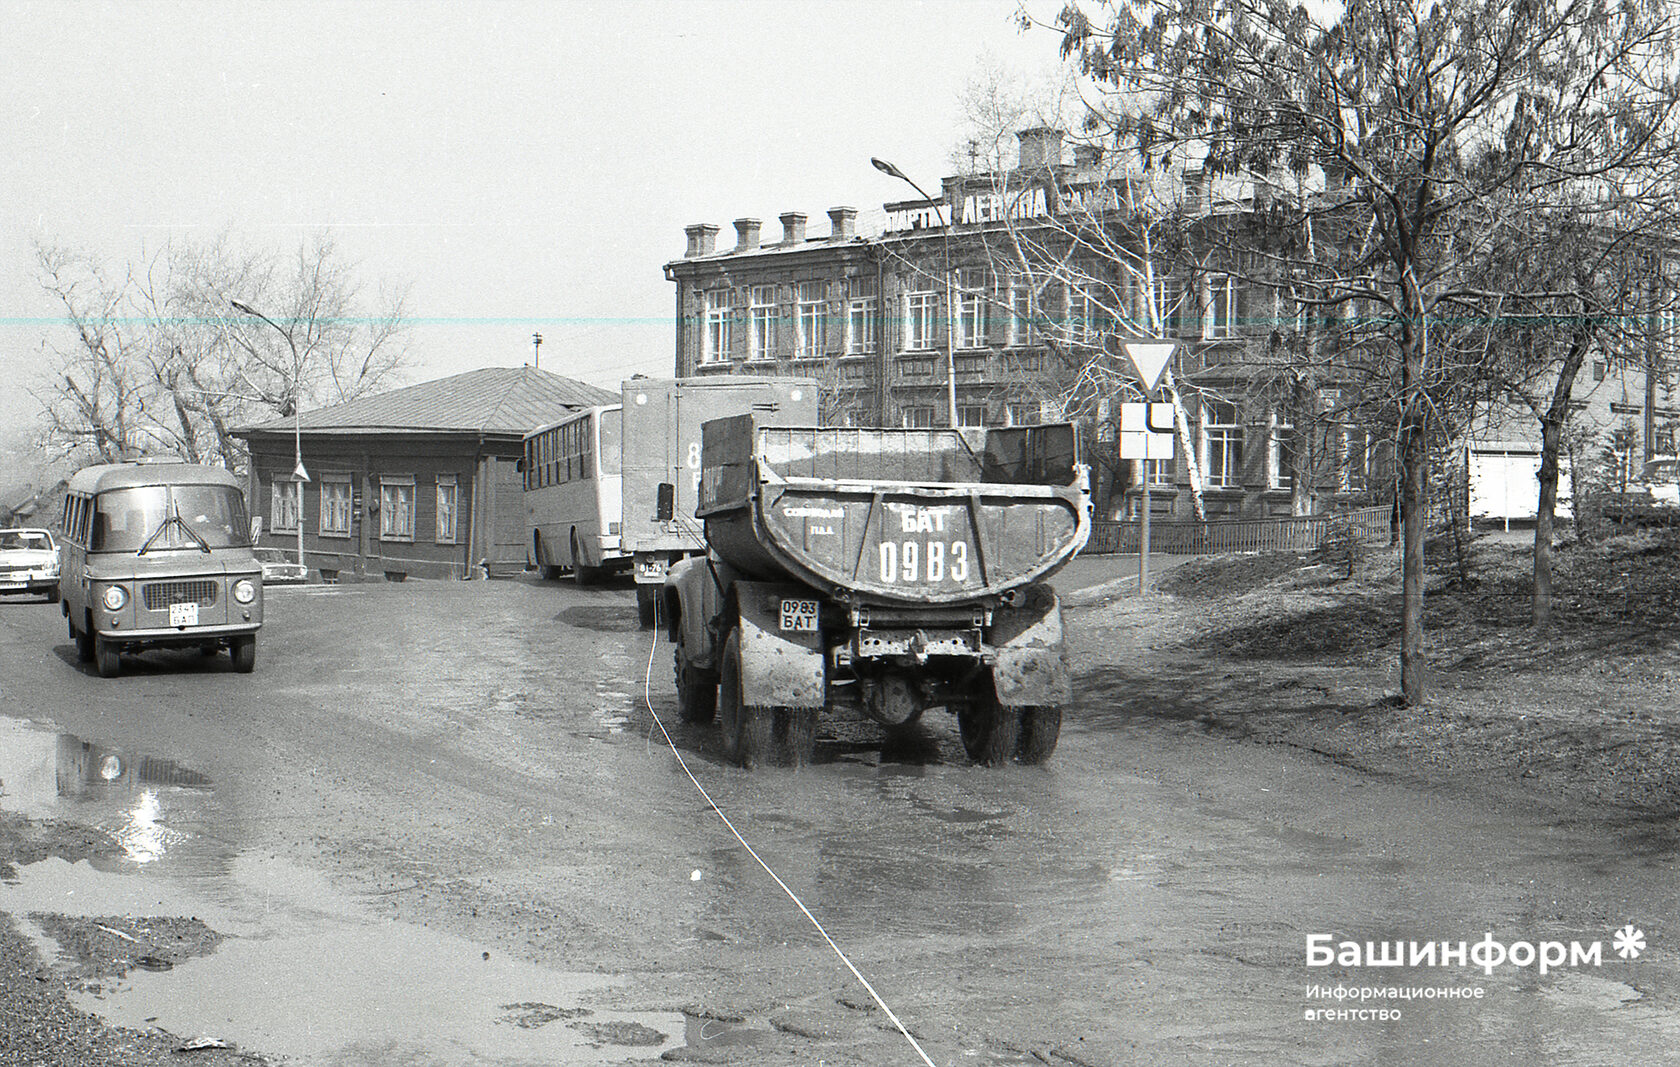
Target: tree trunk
1551, 442
1414, 473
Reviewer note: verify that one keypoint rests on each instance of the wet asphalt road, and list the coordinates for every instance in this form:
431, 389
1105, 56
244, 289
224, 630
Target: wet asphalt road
441, 825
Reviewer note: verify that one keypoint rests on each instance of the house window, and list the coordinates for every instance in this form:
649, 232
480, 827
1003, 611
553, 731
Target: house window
720, 326
448, 508
285, 505
1024, 413
808, 317
1356, 459
1600, 368
1223, 306
971, 415
860, 316
335, 507
1159, 472
973, 325
1222, 441
918, 417
761, 323
396, 508
920, 308
1283, 456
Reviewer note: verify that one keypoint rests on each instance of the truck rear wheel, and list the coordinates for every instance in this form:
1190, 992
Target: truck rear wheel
990, 731
697, 691
796, 736
746, 727
1040, 727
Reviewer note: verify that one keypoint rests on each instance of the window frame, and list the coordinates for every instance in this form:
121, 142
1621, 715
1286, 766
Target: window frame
284, 505
718, 338
330, 501
448, 520
921, 316
388, 512
1227, 437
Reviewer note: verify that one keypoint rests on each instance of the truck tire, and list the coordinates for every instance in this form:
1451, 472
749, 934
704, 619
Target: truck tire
796, 736
107, 657
697, 691
647, 606
1040, 727
746, 727
989, 730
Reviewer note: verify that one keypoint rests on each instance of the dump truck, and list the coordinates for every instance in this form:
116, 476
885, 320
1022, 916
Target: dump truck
878, 573
661, 484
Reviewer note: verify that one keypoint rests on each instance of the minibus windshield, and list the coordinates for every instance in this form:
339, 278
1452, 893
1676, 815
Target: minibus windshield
211, 517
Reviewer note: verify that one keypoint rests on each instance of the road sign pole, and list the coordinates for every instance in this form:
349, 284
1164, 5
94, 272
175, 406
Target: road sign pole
1143, 525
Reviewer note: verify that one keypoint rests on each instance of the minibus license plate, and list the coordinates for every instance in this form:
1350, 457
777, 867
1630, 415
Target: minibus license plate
799, 615
183, 614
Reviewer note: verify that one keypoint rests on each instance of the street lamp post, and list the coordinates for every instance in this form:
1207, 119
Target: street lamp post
298, 472
950, 288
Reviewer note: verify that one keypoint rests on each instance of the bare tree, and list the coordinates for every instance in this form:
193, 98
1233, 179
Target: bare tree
161, 361
1412, 115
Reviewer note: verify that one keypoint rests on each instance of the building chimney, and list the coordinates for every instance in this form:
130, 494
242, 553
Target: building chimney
702, 239
843, 221
1040, 146
793, 228
746, 234
1087, 156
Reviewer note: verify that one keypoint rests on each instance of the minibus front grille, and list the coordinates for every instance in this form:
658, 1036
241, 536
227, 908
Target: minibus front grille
159, 595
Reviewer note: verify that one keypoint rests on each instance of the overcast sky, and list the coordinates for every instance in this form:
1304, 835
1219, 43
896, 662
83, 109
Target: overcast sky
520, 166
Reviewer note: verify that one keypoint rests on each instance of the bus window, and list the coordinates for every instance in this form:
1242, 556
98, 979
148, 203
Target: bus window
612, 447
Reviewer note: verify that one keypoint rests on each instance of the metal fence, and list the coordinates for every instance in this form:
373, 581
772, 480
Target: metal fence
1239, 535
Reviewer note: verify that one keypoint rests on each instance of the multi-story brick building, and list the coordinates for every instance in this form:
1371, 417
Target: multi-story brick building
1004, 299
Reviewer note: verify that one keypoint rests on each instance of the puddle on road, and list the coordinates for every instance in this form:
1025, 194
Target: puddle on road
301, 975
303, 972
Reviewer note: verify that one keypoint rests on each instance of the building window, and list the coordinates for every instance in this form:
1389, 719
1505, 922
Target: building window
1024, 413
1600, 368
396, 508
285, 505
1167, 295
920, 310
860, 316
1356, 459
761, 323
808, 318
1222, 440
720, 326
971, 415
918, 418
1283, 457
1023, 313
448, 508
1223, 306
1082, 317
335, 507
915, 368
1159, 472
973, 312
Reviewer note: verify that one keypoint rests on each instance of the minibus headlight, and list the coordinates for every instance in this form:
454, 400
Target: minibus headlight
244, 591
115, 597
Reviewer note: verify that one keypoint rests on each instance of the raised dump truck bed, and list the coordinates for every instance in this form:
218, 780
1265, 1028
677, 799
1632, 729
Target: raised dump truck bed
924, 516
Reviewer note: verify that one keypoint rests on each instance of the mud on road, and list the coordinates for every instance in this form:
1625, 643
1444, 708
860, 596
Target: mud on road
447, 805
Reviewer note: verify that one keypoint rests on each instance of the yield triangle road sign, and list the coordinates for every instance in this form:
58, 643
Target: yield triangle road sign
1150, 359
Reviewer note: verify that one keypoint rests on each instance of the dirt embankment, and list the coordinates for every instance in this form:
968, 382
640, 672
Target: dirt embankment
1288, 649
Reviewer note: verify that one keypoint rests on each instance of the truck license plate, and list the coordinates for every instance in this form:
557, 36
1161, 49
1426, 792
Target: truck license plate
799, 615
183, 614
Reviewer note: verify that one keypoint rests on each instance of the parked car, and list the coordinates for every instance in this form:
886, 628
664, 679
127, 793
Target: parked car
278, 570
29, 563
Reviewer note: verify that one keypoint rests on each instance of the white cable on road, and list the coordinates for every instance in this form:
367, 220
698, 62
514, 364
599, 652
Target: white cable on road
647, 697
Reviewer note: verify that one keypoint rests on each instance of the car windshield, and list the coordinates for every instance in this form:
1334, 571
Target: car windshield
25, 540
125, 519
270, 555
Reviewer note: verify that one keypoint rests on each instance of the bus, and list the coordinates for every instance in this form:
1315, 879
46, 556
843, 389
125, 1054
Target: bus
574, 486
157, 554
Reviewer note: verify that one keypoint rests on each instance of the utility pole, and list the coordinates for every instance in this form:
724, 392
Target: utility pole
536, 346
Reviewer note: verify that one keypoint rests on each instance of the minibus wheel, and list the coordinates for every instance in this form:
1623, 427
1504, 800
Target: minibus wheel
84, 642
244, 651
107, 657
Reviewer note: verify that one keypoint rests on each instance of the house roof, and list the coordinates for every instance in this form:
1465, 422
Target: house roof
495, 400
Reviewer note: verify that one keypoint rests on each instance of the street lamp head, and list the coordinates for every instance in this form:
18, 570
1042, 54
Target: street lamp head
240, 305
887, 168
